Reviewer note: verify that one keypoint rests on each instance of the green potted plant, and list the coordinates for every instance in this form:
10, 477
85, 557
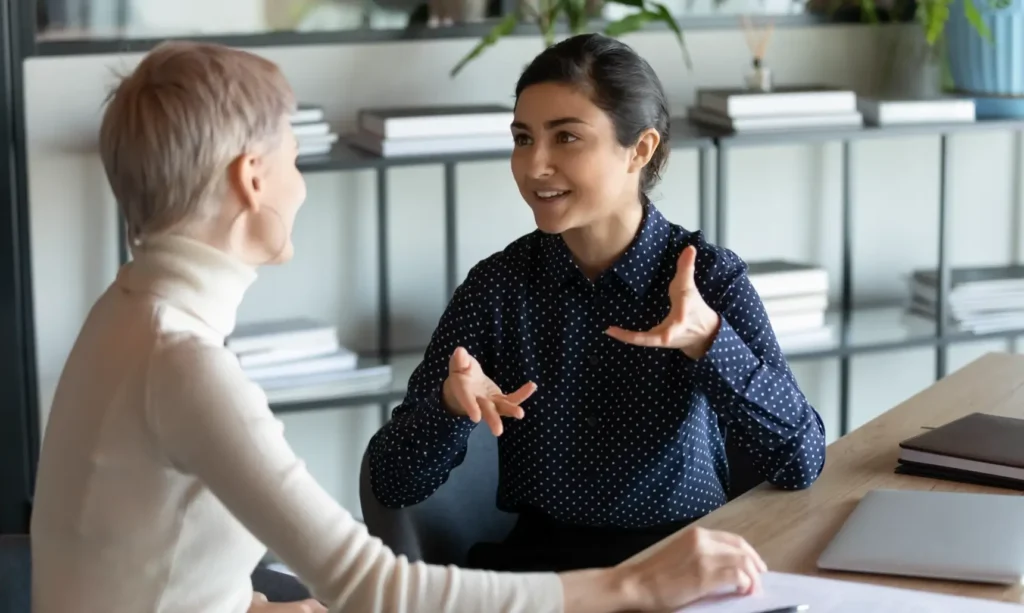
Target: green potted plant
960, 34
546, 14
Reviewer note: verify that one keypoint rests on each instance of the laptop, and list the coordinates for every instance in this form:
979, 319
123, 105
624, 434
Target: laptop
937, 535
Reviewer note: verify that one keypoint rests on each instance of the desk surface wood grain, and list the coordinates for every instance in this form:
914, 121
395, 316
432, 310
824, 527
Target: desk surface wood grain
791, 529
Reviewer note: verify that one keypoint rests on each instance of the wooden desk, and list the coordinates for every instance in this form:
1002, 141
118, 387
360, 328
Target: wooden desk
791, 529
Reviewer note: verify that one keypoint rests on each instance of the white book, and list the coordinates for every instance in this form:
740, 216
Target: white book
307, 130
328, 385
276, 355
438, 145
777, 278
884, 112
263, 335
339, 361
799, 100
768, 123
782, 305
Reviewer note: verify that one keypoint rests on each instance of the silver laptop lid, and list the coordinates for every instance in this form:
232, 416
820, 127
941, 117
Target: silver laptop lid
940, 535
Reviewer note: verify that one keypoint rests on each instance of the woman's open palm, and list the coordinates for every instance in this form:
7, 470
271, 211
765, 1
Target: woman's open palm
471, 393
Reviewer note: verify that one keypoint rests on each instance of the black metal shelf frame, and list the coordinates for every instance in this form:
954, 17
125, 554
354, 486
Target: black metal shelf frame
19, 414
712, 219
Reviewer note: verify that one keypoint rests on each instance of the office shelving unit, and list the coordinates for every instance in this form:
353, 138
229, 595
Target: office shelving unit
861, 330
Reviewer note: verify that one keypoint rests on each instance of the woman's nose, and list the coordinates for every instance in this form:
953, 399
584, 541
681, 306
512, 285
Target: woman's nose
540, 163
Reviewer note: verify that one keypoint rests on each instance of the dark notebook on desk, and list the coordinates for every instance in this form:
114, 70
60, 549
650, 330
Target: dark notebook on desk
978, 448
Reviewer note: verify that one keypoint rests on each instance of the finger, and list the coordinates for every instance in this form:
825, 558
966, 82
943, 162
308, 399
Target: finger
460, 362
507, 408
490, 415
736, 573
741, 543
312, 606
642, 339
258, 597
751, 570
686, 267
522, 394
468, 403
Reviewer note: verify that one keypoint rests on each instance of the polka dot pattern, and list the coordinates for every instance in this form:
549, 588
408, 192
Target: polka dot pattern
616, 434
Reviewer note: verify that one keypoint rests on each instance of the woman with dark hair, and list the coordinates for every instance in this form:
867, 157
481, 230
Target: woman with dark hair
610, 350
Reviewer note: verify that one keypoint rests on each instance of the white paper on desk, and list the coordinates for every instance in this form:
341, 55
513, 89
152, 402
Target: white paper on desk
832, 596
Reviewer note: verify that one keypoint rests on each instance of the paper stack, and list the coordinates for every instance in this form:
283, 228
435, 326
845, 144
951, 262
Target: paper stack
795, 296
301, 359
313, 133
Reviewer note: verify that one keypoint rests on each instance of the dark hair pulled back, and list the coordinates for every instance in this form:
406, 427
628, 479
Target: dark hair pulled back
618, 81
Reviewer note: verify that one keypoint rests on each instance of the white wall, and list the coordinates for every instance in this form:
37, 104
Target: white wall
784, 202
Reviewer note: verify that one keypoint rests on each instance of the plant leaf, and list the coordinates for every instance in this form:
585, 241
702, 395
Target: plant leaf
630, 23
576, 11
636, 21
870, 11
503, 28
937, 18
549, 16
639, 4
666, 16
974, 17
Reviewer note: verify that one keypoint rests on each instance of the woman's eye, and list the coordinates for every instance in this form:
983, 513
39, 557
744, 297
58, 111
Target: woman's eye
565, 137
520, 139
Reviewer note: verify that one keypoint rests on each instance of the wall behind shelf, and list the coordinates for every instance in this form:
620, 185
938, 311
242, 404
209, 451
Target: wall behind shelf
784, 202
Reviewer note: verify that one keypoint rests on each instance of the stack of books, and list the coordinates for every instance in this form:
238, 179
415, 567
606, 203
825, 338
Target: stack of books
312, 131
978, 448
795, 296
909, 111
301, 359
783, 108
981, 300
396, 132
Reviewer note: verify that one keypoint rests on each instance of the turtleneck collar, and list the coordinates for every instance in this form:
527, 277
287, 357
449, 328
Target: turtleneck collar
192, 276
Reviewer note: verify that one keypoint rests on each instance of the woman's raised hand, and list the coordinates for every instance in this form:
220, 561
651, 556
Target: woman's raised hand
470, 393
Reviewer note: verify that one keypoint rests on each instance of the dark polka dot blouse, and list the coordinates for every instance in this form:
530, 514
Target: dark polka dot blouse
616, 435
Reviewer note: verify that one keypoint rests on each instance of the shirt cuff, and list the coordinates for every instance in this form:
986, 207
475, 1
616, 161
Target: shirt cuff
447, 425
728, 357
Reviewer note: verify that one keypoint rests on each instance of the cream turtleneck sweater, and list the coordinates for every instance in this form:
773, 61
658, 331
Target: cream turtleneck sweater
164, 476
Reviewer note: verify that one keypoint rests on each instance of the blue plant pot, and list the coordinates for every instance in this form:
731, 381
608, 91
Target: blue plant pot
992, 71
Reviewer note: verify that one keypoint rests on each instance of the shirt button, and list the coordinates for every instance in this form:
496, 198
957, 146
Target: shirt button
594, 359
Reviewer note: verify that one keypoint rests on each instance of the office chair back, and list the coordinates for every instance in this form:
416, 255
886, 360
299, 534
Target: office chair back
462, 512
442, 528
15, 574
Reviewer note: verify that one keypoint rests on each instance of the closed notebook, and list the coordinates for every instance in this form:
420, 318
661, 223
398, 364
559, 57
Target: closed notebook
978, 448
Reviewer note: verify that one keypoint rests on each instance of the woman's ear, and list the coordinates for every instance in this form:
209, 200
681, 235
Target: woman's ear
245, 181
644, 149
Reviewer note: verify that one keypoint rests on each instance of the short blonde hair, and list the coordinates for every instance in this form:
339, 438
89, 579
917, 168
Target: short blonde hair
173, 126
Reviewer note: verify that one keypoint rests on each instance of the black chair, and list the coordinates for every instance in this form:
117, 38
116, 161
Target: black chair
462, 512
15, 574
442, 528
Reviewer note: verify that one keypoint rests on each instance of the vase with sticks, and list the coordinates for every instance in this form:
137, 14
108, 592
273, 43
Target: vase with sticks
760, 76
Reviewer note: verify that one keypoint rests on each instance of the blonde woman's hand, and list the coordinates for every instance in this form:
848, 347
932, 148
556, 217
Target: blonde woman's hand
690, 565
260, 605
468, 392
